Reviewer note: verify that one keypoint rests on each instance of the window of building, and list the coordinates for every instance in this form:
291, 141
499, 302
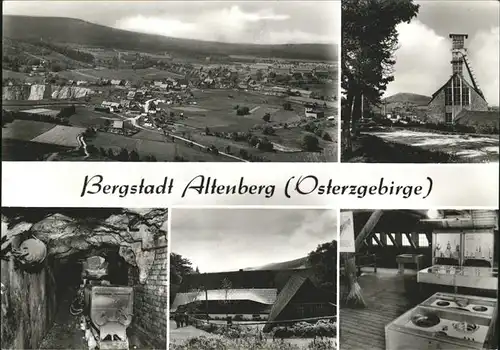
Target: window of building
374, 242
406, 242
448, 95
456, 90
465, 95
448, 118
389, 241
422, 240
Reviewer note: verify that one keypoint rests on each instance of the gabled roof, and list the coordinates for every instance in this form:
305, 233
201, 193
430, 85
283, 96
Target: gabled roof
286, 294
446, 83
265, 296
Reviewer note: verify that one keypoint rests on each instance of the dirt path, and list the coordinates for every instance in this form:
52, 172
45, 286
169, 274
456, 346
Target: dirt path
467, 148
81, 141
77, 71
179, 335
254, 109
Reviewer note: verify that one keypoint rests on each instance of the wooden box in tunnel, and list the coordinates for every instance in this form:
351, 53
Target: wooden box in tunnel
109, 309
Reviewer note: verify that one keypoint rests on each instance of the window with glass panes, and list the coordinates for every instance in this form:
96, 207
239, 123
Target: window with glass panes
465, 95
456, 90
422, 240
406, 242
388, 239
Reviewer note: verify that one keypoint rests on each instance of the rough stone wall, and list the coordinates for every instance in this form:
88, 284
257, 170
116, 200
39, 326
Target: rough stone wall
477, 102
28, 305
436, 109
151, 300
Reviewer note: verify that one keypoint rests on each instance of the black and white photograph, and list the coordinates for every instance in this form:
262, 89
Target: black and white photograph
170, 81
84, 278
253, 279
420, 279
420, 81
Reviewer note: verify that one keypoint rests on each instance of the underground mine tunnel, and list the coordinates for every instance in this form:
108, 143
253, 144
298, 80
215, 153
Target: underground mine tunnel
83, 278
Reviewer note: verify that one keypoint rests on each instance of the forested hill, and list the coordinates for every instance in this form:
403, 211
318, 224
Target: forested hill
76, 31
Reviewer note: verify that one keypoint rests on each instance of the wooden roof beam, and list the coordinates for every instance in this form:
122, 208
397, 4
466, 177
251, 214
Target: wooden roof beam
379, 242
413, 245
367, 230
393, 240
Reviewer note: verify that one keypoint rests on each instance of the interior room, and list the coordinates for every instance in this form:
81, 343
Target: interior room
420, 279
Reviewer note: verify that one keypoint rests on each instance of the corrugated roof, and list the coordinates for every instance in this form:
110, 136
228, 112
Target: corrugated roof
286, 294
262, 295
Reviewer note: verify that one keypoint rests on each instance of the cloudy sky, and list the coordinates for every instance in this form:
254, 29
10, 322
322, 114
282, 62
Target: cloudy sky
264, 22
232, 239
423, 59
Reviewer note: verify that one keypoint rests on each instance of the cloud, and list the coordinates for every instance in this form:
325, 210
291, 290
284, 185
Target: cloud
230, 239
483, 52
423, 60
229, 24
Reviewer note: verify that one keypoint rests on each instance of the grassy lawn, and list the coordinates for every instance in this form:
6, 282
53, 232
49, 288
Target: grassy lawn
21, 150
25, 129
61, 135
86, 117
162, 151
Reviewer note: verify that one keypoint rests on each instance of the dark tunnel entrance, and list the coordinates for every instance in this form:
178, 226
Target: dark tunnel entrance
69, 274
37, 301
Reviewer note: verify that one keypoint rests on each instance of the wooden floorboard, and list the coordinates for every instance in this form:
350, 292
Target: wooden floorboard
386, 298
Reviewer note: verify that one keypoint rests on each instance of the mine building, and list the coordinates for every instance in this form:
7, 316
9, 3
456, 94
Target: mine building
269, 294
419, 279
460, 92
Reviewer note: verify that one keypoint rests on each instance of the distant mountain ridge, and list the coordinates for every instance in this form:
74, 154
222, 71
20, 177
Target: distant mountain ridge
402, 97
76, 31
300, 263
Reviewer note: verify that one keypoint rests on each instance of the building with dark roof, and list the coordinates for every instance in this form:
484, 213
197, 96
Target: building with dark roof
461, 91
481, 119
285, 291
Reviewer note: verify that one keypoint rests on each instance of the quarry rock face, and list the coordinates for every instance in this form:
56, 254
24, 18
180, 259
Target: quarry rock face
65, 235
37, 92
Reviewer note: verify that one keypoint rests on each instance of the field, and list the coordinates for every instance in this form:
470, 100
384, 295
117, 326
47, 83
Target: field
161, 150
122, 74
21, 150
464, 148
61, 135
25, 129
86, 117
216, 110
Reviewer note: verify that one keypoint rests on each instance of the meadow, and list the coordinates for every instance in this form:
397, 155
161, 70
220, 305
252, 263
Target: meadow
25, 129
118, 74
161, 150
61, 135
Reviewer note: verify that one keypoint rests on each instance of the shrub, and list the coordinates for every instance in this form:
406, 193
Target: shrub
265, 145
327, 137
243, 111
310, 143
268, 130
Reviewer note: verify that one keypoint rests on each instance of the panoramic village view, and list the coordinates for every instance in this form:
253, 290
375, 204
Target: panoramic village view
253, 279
429, 91
150, 84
